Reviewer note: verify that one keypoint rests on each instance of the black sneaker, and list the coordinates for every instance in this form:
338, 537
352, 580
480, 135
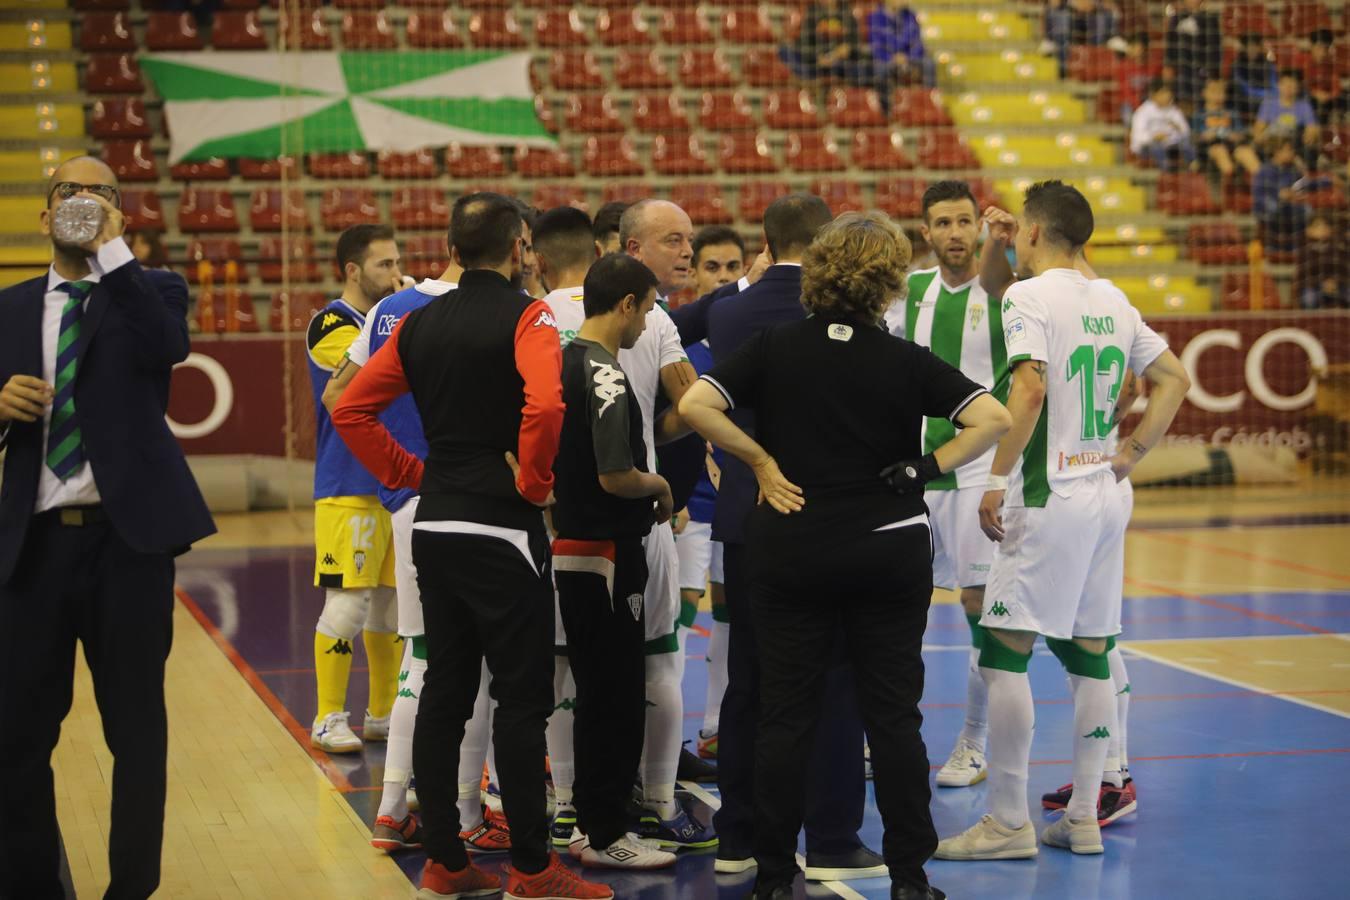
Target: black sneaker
1058, 799
916, 892
776, 892
859, 863
692, 768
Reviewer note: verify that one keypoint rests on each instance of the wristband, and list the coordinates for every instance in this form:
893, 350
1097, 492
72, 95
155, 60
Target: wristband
910, 476
996, 483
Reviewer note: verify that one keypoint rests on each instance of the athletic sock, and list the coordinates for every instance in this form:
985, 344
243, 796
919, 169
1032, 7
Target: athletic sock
661, 800
665, 725
383, 650
332, 668
398, 751
1094, 712
561, 754
977, 692
1012, 719
1120, 683
717, 677
473, 752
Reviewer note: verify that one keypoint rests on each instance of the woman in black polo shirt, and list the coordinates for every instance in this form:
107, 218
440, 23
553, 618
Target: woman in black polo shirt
841, 541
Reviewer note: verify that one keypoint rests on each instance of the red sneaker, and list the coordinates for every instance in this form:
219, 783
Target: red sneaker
555, 882
439, 883
488, 837
389, 835
1116, 802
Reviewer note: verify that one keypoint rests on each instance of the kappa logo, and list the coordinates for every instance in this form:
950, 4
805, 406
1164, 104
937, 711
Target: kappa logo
998, 609
406, 692
385, 326
608, 385
1099, 733
359, 557
841, 332
329, 320
635, 604
1007, 304
546, 318
328, 560
568, 704
340, 648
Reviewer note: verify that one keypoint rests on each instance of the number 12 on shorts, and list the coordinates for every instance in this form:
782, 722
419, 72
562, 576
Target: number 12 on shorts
363, 532
1086, 361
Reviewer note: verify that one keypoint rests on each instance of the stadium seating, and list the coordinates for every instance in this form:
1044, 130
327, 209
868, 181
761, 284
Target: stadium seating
725, 111
308, 29
813, 151
268, 209
945, 149
540, 162
659, 112
213, 169
113, 73
206, 209
1239, 18
413, 164
1235, 292
475, 162
368, 31
216, 251
294, 257
559, 28
757, 195
842, 195
1218, 243
706, 69
880, 151
901, 198
419, 208
745, 153
575, 70
548, 196
703, 202
762, 68
611, 156
636, 69
495, 28
1300, 19
268, 169
622, 27
1185, 194
433, 30
119, 119
172, 31
685, 25
916, 106
791, 109
142, 210
339, 165
105, 32
131, 160
424, 255
301, 305
679, 154
855, 107
747, 25
238, 30
342, 207
589, 113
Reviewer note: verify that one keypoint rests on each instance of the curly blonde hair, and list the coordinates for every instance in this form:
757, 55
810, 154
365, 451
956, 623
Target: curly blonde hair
855, 267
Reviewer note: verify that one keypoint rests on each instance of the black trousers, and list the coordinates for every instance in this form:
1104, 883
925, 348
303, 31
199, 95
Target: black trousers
836, 790
481, 599
605, 636
83, 583
875, 589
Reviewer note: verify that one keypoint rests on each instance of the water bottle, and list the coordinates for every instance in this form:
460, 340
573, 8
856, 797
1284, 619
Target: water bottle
77, 221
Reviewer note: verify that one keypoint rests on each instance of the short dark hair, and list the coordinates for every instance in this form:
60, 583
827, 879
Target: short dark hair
354, 243
945, 191
791, 223
1140, 38
607, 218
483, 228
1158, 84
712, 235
528, 214
562, 236
613, 277
1062, 211
1323, 36
1292, 73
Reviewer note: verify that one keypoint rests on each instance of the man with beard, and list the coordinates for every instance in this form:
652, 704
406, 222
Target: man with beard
947, 311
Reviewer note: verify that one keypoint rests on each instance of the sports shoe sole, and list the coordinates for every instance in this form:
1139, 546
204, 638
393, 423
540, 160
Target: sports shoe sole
392, 846
1118, 814
952, 782
733, 866
510, 896
673, 846
428, 894
1028, 853
822, 873
326, 748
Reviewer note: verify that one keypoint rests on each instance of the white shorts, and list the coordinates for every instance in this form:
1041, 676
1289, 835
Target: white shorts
716, 574
693, 546
962, 553
662, 599
405, 573
1060, 568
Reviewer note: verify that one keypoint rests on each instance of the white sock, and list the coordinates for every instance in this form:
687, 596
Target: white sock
1012, 718
562, 758
717, 677
1120, 682
472, 752
398, 750
1094, 714
977, 704
665, 726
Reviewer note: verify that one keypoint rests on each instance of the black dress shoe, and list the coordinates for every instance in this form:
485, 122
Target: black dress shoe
776, 892
916, 892
859, 863
693, 768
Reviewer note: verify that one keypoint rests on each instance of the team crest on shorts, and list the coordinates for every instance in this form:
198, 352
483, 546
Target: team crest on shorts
359, 557
635, 604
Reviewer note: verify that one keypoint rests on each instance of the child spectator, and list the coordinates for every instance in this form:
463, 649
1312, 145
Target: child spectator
1254, 77
1219, 133
1322, 273
1133, 75
1324, 87
1288, 115
1194, 49
897, 47
1158, 131
1278, 197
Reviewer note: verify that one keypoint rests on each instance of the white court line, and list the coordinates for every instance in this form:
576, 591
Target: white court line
1237, 637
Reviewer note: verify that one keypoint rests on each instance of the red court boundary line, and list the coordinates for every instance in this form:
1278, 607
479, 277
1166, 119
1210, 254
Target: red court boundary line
269, 699
1253, 557
1230, 607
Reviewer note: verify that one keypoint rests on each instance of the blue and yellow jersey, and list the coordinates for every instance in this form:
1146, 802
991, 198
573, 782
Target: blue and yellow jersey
336, 471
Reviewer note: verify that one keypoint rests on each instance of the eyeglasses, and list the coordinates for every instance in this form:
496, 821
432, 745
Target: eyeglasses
67, 189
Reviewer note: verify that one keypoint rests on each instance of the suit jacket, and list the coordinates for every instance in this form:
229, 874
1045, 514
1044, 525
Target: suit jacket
727, 319
133, 331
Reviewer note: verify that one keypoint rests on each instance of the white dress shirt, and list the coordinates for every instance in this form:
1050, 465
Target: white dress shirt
79, 489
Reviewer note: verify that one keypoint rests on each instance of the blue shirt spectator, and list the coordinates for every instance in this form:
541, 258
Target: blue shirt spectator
894, 30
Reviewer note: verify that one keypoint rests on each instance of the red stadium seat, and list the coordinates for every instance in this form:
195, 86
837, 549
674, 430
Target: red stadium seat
813, 151
575, 70
747, 25
273, 255
1235, 292
142, 210
119, 119
611, 156
342, 207
1108, 106
679, 154
433, 30
1236, 197
725, 111
622, 27
1327, 197
592, 113
791, 109
1087, 63
131, 160
414, 164
213, 169
206, 210
624, 192
368, 31
172, 31
841, 195
1219, 243
946, 149
551, 196
1300, 19
756, 197
358, 4
880, 151
636, 69
238, 30
706, 69
106, 31
1289, 55
216, 251
761, 67
474, 162
101, 4
308, 30
493, 28
544, 162
269, 208
268, 169
743, 152
685, 25
1237, 19
901, 199
1185, 194
917, 106
560, 28
703, 201
659, 112
424, 256
419, 208
113, 73
339, 165
292, 310
1336, 143
855, 107
543, 111
985, 193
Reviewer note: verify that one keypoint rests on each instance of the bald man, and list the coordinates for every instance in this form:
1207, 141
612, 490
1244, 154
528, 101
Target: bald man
97, 501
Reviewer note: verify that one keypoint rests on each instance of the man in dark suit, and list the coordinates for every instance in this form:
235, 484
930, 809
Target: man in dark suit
96, 501
836, 792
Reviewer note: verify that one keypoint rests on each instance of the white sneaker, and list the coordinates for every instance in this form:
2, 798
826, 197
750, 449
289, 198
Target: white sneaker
413, 803
375, 729
628, 852
333, 734
1078, 835
987, 839
963, 768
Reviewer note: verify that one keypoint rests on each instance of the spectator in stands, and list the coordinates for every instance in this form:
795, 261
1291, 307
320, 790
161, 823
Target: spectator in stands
1194, 49
1289, 115
1322, 79
719, 258
148, 248
1133, 76
1070, 22
1220, 135
1254, 76
829, 45
1278, 197
897, 48
1322, 273
1158, 131
605, 226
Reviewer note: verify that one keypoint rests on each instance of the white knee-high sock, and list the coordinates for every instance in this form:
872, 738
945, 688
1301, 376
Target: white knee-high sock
1094, 715
562, 758
977, 704
665, 722
472, 752
1012, 718
1120, 683
398, 752
717, 677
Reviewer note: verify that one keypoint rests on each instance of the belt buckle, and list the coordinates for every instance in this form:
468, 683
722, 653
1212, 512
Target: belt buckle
72, 517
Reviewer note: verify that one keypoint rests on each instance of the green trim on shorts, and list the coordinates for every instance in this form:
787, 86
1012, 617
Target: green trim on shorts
997, 655
669, 643
1110, 643
1078, 661
976, 630
688, 613
419, 647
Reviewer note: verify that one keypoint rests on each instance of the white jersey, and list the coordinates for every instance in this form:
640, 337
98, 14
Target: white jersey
963, 330
658, 347
1087, 333
359, 351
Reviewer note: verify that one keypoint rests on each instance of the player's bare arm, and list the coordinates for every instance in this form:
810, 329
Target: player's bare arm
1026, 397
1168, 384
996, 274
342, 376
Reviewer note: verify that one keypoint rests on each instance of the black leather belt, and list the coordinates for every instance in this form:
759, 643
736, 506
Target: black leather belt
77, 516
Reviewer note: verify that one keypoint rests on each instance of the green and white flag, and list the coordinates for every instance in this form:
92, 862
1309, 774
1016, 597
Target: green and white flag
243, 104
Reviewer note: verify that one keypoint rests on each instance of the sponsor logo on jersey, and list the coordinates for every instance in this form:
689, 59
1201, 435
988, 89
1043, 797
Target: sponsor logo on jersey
1016, 330
976, 314
841, 332
546, 318
567, 336
1099, 733
608, 383
1086, 458
998, 609
635, 605
385, 326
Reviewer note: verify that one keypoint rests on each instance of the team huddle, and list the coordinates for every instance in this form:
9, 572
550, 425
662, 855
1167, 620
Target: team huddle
514, 511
